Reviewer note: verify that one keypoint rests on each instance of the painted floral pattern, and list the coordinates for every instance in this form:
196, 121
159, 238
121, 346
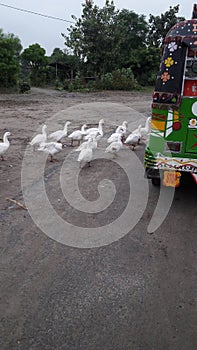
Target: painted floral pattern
169, 62
165, 77
172, 46
194, 27
193, 123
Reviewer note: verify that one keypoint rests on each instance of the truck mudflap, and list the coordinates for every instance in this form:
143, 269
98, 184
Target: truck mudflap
171, 178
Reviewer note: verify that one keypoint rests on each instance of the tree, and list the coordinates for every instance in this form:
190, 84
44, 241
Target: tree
104, 38
91, 38
10, 48
35, 59
65, 64
145, 64
130, 33
160, 25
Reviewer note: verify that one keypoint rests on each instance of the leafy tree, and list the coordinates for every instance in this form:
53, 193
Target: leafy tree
107, 40
130, 34
57, 56
35, 59
160, 25
145, 64
91, 38
10, 48
65, 65
104, 38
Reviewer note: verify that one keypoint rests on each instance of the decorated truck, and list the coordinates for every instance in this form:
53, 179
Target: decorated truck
171, 152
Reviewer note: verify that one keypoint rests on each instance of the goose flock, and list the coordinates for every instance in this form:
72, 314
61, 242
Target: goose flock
87, 140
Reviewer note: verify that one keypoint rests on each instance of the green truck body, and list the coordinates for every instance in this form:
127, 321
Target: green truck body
172, 142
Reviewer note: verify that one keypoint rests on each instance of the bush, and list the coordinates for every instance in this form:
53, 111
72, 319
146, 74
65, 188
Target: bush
146, 80
120, 79
74, 85
58, 85
24, 87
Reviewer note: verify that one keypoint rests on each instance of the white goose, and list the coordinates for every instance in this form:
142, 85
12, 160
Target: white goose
144, 130
77, 135
50, 148
94, 131
133, 138
122, 129
38, 139
59, 134
115, 146
114, 137
92, 144
5, 144
86, 154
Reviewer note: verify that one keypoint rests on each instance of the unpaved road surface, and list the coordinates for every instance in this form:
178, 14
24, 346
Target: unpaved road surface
100, 283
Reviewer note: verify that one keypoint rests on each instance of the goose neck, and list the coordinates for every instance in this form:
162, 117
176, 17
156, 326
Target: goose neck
100, 128
66, 126
5, 139
44, 130
83, 129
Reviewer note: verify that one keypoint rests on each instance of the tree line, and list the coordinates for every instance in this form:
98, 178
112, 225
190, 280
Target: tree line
105, 48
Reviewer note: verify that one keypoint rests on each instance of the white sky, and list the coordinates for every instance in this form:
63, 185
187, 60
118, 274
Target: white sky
33, 29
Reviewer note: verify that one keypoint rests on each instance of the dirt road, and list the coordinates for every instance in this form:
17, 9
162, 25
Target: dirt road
130, 290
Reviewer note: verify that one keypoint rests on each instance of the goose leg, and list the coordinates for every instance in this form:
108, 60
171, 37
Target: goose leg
2, 158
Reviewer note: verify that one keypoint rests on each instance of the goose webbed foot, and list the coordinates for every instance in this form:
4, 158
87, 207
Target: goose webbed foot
52, 160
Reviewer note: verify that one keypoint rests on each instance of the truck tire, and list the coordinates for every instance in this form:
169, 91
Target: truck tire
155, 181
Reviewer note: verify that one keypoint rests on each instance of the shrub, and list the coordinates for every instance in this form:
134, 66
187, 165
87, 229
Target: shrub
120, 79
58, 85
24, 87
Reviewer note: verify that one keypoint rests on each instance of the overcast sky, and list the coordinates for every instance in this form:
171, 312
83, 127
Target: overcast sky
33, 29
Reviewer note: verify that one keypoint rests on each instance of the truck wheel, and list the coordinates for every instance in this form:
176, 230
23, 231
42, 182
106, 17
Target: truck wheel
156, 181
